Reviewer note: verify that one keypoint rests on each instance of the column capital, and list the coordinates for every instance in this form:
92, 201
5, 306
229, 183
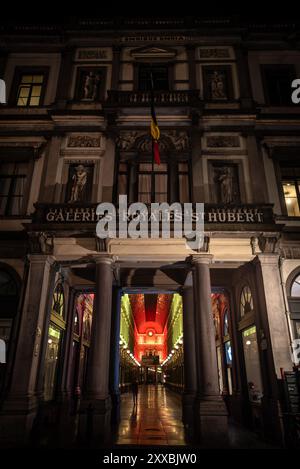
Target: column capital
201, 258
104, 259
269, 258
41, 258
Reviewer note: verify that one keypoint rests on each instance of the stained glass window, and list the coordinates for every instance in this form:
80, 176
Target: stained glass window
246, 305
58, 300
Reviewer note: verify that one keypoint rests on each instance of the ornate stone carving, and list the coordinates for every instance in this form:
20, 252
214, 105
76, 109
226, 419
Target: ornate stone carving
84, 141
79, 180
214, 53
290, 252
220, 141
40, 242
174, 140
268, 243
101, 245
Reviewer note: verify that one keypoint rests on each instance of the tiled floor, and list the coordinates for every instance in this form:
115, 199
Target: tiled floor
156, 420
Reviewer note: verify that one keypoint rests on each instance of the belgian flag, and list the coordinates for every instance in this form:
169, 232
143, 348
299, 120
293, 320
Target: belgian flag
155, 132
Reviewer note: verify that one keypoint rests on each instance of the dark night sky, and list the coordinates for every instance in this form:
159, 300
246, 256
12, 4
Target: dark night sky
54, 11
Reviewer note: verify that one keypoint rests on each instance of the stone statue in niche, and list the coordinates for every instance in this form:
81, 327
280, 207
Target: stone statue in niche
225, 179
218, 89
91, 86
79, 180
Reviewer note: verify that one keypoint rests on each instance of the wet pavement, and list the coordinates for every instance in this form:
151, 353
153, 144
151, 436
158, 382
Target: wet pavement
156, 421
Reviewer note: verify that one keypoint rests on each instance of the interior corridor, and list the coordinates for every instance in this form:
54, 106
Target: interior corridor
156, 420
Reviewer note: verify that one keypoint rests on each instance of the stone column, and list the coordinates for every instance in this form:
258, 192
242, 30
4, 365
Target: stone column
192, 66
272, 308
96, 400
211, 410
21, 404
115, 354
189, 356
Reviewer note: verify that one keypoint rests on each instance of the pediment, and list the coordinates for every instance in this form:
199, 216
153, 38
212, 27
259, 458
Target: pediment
150, 52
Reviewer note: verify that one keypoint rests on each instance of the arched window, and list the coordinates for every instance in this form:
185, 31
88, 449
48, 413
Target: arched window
246, 301
58, 302
8, 286
295, 289
225, 324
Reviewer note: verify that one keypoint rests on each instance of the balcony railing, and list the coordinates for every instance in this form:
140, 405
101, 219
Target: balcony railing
161, 98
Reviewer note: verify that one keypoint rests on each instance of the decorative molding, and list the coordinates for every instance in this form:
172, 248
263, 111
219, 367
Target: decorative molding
153, 52
93, 54
268, 243
223, 141
40, 242
83, 141
173, 140
290, 252
215, 53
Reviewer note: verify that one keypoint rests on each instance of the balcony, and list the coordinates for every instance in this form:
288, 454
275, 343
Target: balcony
161, 98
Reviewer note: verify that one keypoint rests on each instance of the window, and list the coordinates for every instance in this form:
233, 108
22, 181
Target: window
295, 290
246, 303
153, 184
9, 304
30, 90
277, 84
290, 183
123, 187
160, 77
58, 300
56, 331
252, 362
13, 181
183, 182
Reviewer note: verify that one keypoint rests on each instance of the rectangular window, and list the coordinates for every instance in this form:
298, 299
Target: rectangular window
13, 181
30, 89
252, 363
123, 179
160, 77
291, 189
277, 83
153, 184
183, 182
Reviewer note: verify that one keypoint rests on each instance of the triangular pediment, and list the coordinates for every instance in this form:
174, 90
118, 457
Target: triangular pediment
153, 52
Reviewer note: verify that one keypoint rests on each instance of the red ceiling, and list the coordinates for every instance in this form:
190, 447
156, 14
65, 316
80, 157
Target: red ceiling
150, 310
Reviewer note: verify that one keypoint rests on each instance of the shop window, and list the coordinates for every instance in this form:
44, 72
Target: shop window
252, 363
55, 336
246, 304
294, 305
51, 361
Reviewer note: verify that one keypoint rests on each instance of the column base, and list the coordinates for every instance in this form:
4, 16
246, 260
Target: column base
95, 421
188, 408
212, 422
17, 419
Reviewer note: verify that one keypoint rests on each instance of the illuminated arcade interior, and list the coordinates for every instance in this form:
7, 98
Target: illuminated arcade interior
151, 337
